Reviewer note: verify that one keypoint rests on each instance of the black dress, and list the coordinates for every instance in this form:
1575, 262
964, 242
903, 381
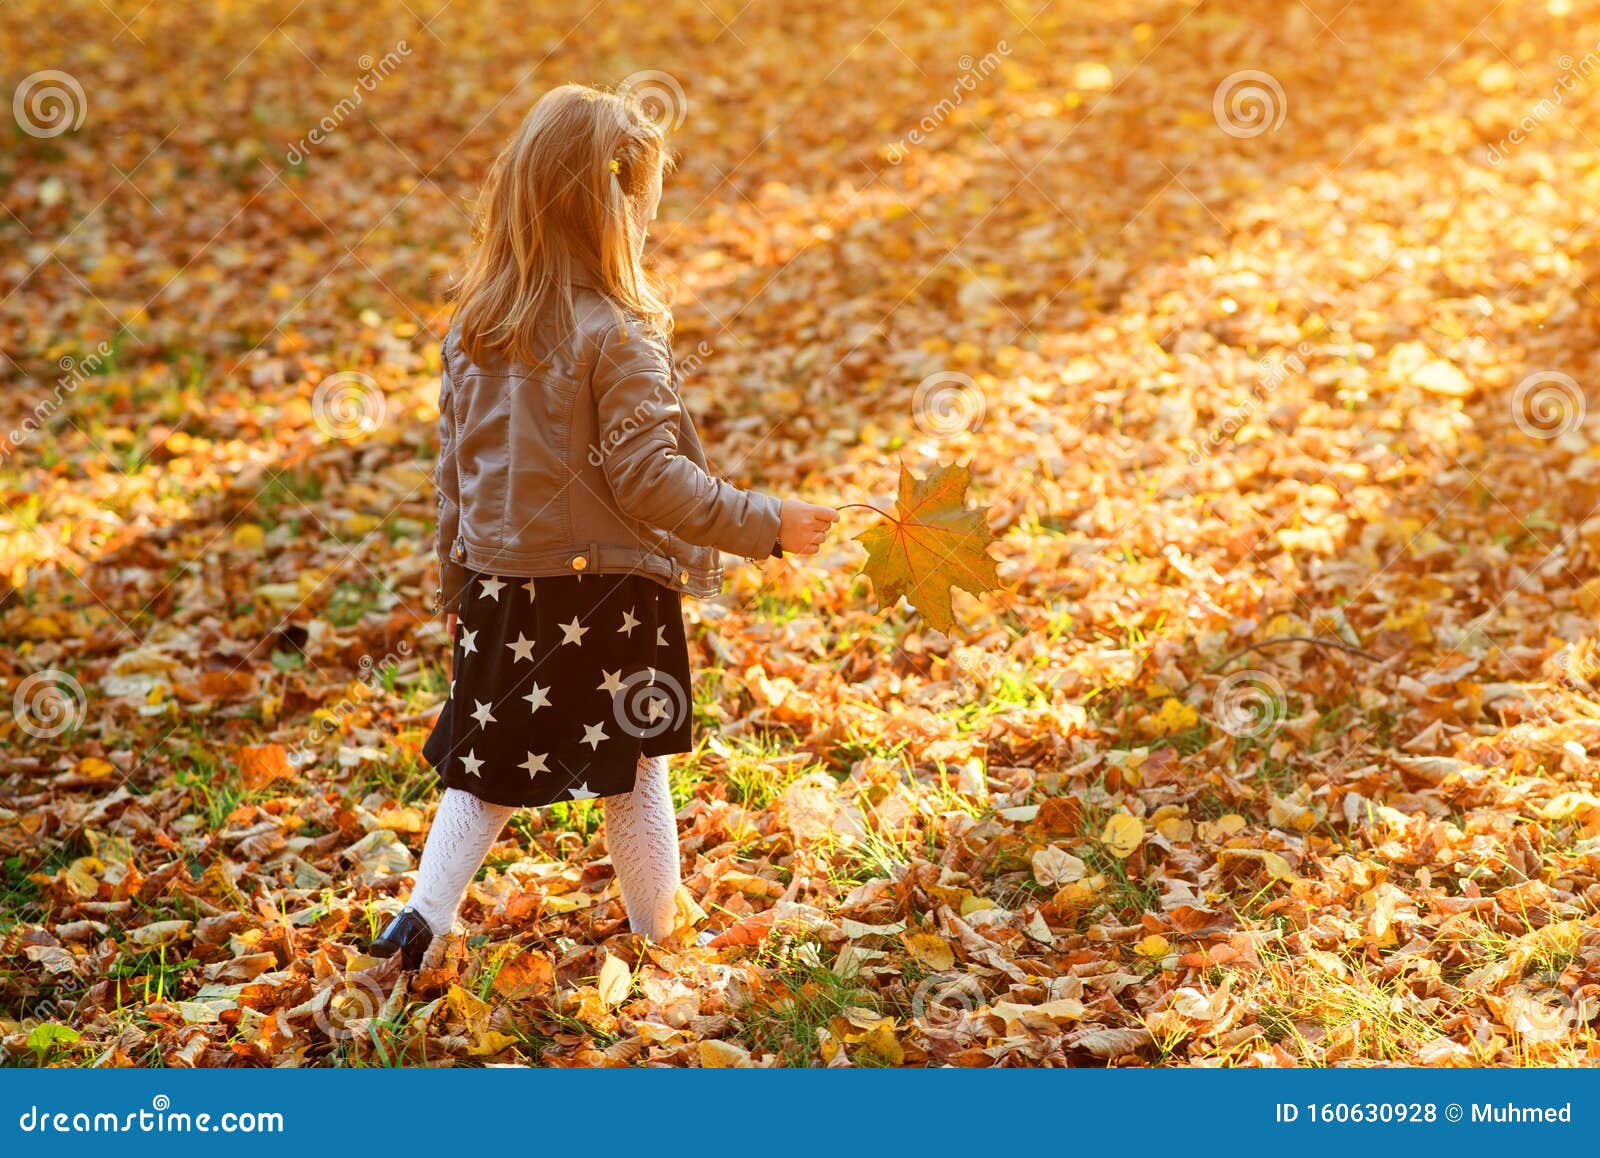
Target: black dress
561, 684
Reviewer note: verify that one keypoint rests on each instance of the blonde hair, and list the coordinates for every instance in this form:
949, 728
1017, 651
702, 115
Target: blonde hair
564, 201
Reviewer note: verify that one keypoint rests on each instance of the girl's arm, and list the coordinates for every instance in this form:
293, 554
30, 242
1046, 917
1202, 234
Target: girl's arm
452, 575
638, 427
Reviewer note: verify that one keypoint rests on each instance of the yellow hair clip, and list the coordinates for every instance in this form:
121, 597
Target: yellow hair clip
616, 165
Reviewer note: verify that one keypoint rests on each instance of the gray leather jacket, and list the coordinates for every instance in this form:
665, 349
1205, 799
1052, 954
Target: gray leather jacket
587, 463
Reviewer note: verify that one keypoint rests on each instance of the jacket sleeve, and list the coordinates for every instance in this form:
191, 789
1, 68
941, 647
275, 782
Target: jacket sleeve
446, 480
639, 411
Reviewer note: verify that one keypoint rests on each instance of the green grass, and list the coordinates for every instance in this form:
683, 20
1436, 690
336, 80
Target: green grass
17, 892
1387, 1021
809, 996
301, 485
578, 817
350, 601
163, 977
405, 778
214, 792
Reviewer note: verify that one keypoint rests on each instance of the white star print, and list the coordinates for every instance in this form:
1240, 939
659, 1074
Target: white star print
538, 698
573, 631
491, 588
471, 763
661, 636
482, 714
469, 641
581, 792
657, 709
535, 764
628, 623
613, 681
592, 735
528, 587
523, 648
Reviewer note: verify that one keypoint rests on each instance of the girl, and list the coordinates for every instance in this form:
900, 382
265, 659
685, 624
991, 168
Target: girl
575, 509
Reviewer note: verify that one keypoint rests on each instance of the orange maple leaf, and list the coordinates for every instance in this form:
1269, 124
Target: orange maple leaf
932, 543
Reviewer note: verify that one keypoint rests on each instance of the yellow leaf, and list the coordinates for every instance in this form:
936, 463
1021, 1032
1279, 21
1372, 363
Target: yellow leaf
402, 819
931, 544
1222, 827
1175, 716
615, 979
1123, 835
1092, 76
492, 1042
721, 1055
930, 950
973, 904
249, 536
94, 767
1277, 868
1079, 894
1155, 945
42, 627
1176, 829
882, 1041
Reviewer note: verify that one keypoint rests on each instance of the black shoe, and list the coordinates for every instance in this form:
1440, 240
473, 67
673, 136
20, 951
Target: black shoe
408, 935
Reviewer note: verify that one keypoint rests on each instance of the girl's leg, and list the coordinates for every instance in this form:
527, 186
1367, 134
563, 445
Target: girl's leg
642, 835
463, 830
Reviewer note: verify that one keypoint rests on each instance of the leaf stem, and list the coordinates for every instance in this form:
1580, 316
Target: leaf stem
1312, 640
867, 507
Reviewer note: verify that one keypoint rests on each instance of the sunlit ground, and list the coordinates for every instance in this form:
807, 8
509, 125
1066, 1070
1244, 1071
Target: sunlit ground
1258, 323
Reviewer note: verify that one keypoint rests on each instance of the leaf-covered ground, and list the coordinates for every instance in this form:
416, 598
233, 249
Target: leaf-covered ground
1258, 322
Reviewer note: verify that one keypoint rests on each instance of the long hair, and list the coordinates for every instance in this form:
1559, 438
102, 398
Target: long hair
563, 203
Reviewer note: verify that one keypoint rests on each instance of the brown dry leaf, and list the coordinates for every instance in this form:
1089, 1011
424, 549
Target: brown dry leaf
528, 973
1054, 866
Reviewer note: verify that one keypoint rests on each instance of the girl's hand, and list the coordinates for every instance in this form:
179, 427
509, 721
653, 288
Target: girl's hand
802, 526
450, 627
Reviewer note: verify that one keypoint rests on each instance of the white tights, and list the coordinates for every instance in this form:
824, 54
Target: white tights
640, 832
